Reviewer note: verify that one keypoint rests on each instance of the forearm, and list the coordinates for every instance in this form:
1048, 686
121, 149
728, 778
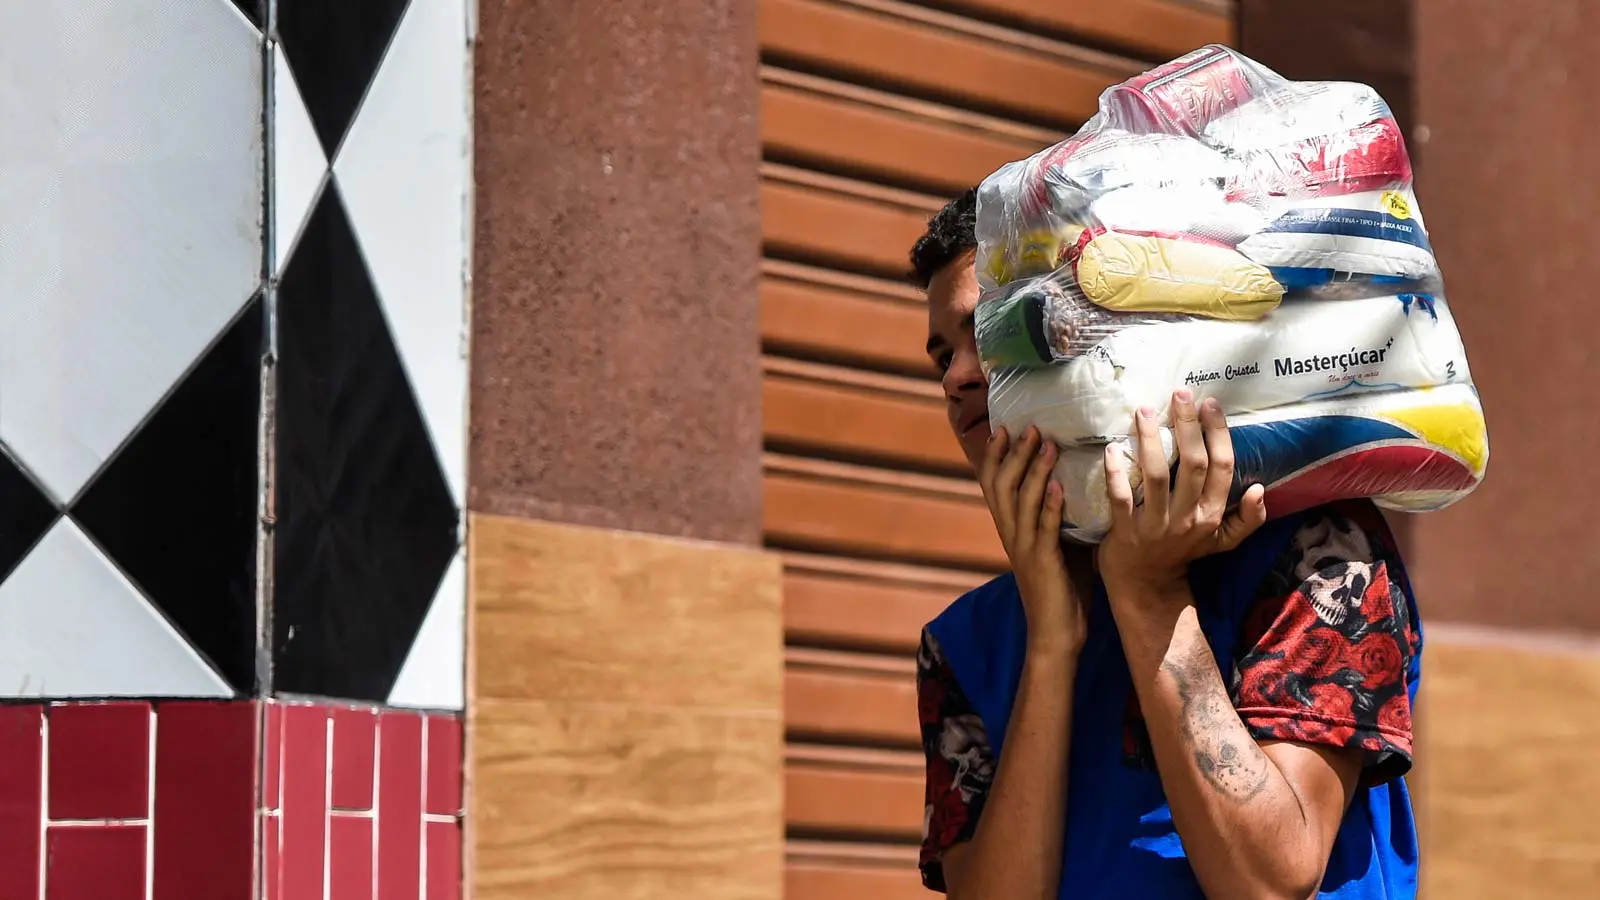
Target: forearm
1246, 832
1016, 852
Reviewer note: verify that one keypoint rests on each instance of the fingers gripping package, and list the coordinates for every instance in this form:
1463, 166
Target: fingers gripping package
1256, 240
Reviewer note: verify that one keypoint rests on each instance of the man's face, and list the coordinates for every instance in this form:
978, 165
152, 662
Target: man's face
952, 297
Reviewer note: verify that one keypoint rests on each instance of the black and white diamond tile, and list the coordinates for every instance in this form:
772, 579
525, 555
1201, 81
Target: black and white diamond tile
149, 306
76, 627
334, 49
145, 586
254, 10
366, 525
402, 172
130, 186
177, 506
25, 515
299, 167
369, 579
130, 250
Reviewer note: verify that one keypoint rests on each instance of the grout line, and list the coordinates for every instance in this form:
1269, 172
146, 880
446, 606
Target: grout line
150, 815
352, 813
327, 807
44, 796
377, 796
422, 825
441, 818
283, 719
258, 825
134, 822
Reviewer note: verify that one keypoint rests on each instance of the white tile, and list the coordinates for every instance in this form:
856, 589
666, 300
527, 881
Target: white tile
131, 169
435, 670
298, 165
72, 626
403, 172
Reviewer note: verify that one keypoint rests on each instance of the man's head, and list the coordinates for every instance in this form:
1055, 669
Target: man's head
942, 265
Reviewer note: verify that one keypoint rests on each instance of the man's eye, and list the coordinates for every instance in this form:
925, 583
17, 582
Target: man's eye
943, 361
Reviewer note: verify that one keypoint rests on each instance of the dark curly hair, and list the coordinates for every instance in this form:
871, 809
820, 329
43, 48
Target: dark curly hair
952, 232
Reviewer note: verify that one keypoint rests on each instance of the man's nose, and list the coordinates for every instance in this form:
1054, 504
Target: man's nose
964, 375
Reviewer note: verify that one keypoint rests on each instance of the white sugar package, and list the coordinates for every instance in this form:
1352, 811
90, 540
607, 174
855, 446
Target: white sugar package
1301, 352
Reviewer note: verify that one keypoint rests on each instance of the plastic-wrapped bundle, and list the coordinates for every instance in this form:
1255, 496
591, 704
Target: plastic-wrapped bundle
1257, 240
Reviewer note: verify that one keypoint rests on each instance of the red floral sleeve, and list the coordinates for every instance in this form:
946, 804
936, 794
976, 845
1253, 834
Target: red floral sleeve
1329, 644
960, 763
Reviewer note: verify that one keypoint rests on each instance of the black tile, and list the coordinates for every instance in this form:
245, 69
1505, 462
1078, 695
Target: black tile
334, 49
254, 10
26, 513
366, 525
177, 507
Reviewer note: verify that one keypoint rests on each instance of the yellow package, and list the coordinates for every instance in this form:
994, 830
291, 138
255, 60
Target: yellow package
1039, 252
1141, 273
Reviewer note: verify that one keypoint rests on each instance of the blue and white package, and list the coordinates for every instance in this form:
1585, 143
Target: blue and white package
1315, 240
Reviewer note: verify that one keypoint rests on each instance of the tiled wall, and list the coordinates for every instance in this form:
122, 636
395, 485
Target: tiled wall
291, 295
130, 800
230, 281
126, 801
362, 803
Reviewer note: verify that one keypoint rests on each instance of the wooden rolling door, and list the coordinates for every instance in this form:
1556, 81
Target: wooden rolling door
874, 112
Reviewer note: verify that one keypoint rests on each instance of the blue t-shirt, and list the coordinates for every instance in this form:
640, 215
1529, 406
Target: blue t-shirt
1314, 629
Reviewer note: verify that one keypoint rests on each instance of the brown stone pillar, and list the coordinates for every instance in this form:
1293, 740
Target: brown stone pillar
1506, 100
625, 706
616, 352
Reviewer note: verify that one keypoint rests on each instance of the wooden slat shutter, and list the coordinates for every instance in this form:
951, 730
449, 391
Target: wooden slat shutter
874, 112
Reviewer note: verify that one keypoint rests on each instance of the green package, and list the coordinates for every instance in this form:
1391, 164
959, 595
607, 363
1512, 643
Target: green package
1011, 330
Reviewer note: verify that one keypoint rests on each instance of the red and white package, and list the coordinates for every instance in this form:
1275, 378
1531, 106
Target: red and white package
1185, 95
1313, 139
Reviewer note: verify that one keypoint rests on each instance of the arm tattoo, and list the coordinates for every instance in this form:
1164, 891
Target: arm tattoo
1225, 754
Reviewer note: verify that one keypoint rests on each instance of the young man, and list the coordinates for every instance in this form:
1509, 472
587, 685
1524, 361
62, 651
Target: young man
1206, 705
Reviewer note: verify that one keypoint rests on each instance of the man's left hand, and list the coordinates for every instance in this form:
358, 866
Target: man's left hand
1150, 545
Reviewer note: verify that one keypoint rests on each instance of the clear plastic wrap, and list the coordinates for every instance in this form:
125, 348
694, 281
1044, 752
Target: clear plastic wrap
1255, 239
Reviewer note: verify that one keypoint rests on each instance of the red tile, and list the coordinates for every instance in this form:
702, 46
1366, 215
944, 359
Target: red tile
21, 780
444, 765
270, 855
305, 770
205, 800
271, 797
100, 761
354, 742
95, 862
349, 858
444, 861
399, 806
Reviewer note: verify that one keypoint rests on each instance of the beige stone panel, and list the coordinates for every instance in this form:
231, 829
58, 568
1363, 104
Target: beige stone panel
575, 614
1511, 786
592, 802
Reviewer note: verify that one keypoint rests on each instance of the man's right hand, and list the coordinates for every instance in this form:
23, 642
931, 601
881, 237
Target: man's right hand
1026, 502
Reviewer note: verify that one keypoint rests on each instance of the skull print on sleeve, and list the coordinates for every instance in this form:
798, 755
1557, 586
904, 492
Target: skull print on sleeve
960, 765
1329, 643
